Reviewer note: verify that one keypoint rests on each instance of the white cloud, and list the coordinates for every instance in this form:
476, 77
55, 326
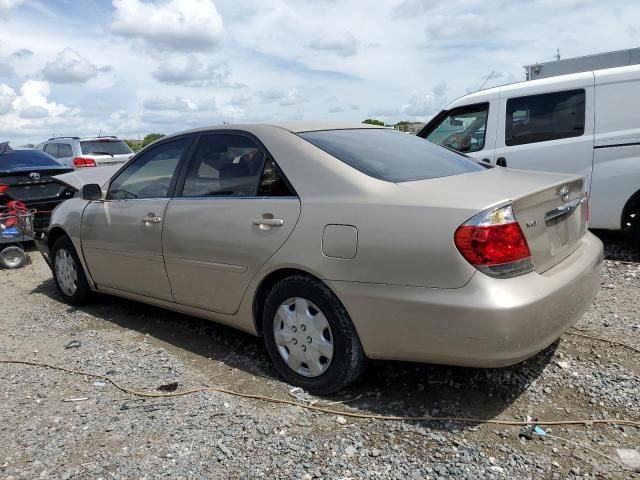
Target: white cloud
7, 96
6, 70
10, 4
191, 72
159, 103
344, 45
35, 93
69, 67
33, 112
182, 25
23, 53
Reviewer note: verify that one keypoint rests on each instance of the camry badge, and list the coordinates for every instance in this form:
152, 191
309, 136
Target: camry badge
564, 193
34, 176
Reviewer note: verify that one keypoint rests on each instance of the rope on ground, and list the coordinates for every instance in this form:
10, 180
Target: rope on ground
600, 339
316, 408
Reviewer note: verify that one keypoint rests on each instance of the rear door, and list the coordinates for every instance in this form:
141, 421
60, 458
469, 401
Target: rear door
122, 235
547, 125
235, 211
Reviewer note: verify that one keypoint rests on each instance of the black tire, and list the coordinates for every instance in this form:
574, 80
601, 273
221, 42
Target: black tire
82, 292
348, 360
634, 231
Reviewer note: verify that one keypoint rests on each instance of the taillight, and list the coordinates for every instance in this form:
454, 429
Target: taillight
82, 162
3, 187
493, 242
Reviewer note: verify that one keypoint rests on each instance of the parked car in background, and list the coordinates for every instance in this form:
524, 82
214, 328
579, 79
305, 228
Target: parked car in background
26, 175
79, 152
336, 243
582, 123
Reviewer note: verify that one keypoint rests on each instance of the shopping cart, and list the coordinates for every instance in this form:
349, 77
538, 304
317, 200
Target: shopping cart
16, 228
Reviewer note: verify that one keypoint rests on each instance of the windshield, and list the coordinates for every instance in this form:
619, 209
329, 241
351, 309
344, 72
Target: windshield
390, 155
26, 159
104, 147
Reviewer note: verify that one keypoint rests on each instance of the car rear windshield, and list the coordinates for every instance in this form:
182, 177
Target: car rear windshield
104, 147
26, 159
390, 155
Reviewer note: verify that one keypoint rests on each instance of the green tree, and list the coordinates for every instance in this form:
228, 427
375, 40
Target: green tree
152, 137
373, 121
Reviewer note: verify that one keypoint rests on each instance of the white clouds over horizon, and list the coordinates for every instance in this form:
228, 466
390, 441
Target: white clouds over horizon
129, 67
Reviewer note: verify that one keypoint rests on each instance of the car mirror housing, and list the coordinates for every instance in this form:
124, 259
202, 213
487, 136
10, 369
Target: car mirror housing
91, 191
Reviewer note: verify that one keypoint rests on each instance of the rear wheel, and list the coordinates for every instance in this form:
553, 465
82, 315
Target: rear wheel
68, 273
310, 337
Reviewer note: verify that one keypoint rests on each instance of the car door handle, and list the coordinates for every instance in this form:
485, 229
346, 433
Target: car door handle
151, 219
268, 222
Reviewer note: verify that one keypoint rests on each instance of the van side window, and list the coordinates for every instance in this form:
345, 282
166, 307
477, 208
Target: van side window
462, 129
540, 118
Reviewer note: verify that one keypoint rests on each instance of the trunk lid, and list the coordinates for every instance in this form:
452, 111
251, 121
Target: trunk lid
553, 220
34, 183
549, 207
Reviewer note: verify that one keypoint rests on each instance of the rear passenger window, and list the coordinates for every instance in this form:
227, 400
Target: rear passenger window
52, 149
549, 116
64, 150
232, 165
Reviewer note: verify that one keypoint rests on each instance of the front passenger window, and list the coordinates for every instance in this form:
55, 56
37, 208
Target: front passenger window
150, 175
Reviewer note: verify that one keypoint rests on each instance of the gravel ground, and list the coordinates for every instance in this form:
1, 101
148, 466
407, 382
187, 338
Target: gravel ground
55, 425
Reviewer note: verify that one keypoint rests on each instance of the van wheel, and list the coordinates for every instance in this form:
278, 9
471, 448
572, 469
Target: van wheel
68, 273
310, 337
634, 229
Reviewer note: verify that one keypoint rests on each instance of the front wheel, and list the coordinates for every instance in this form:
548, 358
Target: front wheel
310, 337
68, 273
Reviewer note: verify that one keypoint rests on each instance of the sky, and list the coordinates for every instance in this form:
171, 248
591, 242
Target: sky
131, 67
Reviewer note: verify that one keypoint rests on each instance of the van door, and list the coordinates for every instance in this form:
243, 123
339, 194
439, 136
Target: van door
468, 129
547, 125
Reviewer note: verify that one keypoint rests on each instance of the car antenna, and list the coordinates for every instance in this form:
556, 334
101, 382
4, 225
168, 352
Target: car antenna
487, 79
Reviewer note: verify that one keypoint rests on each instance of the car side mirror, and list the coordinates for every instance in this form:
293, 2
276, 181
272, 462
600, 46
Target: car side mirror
91, 191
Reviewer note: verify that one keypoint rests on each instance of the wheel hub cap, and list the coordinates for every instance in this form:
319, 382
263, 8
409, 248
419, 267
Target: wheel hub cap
66, 272
303, 337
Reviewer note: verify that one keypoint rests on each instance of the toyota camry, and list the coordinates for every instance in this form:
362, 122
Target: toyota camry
336, 244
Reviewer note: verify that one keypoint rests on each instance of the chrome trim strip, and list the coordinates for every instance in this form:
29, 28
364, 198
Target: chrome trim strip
564, 209
217, 266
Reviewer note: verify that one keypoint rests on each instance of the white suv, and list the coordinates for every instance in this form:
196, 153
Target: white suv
79, 152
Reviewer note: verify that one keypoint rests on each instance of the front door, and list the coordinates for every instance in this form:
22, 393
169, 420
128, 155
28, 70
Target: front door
547, 130
235, 211
122, 235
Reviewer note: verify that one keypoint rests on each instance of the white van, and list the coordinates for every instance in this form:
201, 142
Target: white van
587, 123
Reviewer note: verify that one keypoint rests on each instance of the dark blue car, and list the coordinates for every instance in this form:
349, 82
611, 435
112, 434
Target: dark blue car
27, 175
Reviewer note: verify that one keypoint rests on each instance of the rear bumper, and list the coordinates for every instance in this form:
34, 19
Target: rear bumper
487, 323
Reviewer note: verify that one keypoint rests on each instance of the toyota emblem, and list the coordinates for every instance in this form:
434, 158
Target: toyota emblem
34, 176
564, 193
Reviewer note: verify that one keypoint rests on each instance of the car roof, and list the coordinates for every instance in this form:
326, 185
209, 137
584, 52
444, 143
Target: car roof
293, 127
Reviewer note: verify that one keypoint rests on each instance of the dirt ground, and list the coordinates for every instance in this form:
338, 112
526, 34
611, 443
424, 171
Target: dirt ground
57, 425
